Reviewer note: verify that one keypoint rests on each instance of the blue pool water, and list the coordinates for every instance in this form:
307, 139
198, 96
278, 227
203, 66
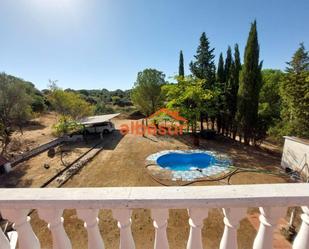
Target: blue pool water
186, 161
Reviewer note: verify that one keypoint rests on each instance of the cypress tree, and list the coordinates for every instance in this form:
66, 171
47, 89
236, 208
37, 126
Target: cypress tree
220, 83
181, 71
249, 87
234, 89
220, 70
228, 63
237, 59
204, 66
227, 95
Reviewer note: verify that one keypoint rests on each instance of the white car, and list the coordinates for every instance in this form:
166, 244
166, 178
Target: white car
104, 128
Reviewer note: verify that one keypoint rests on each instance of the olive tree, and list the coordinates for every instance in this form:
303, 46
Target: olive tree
15, 108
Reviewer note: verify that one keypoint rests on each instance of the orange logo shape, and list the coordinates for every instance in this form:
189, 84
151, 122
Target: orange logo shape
140, 128
173, 114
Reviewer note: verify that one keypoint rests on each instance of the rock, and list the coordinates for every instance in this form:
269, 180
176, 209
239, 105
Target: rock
46, 166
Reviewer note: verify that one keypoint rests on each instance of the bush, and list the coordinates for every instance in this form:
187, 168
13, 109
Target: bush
69, 103
103, 109
38, 104
66, 126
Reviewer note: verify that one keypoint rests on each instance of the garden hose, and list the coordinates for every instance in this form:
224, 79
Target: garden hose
218, 179
227, 176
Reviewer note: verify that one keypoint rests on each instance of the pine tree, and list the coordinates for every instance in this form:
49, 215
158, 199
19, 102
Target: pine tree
294, 93
249, 87
300, 61
204, 66
181, 71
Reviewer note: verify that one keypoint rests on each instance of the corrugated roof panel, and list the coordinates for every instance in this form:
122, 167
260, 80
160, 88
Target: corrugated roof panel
98, 119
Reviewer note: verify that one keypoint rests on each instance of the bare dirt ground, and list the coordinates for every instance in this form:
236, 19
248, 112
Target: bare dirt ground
37, 132
39, 169
122, 163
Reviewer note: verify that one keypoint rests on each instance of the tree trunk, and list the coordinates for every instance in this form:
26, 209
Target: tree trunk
196, 140
246, 139
212, 123
218, 124
234, 132
240, 137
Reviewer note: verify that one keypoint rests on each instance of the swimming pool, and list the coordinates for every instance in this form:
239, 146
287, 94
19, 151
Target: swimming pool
186, 161
188, 165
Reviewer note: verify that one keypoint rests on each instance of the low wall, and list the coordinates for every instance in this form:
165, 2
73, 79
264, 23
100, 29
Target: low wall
36, 151
296, 155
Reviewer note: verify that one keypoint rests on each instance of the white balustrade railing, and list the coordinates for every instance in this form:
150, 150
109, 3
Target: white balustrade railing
272, 200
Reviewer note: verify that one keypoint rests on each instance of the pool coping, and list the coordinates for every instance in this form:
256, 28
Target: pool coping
189, 175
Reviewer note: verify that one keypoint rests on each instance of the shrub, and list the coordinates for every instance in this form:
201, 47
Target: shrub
65, 126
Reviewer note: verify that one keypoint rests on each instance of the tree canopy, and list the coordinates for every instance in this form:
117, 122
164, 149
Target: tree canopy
69, 103
294, 92
146, 93
203, 67
189, 97
15, 107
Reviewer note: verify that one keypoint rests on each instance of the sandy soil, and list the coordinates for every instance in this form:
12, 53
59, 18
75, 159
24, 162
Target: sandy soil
122, 163
34, 173
37, 132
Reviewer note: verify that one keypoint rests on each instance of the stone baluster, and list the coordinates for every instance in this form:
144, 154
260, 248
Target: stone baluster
268, 220
160, 217
4, 242
302, 239
123, 216
55, 223
232, 217
197, 216
90, 217
26, 237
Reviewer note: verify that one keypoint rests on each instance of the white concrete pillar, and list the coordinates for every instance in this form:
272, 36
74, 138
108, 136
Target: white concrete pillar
268, 221
123, 216
26, 237
232, 216
302, 239
4, 242
7, 167
90, 217
197, 216
55, 224
160, 217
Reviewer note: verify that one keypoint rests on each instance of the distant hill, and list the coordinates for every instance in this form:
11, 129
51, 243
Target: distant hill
96, 96
105, 101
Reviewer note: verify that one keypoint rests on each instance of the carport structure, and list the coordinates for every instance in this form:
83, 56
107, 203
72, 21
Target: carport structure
91, 120
97, 124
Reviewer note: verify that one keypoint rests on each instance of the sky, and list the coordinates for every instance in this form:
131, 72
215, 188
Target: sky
95, 44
